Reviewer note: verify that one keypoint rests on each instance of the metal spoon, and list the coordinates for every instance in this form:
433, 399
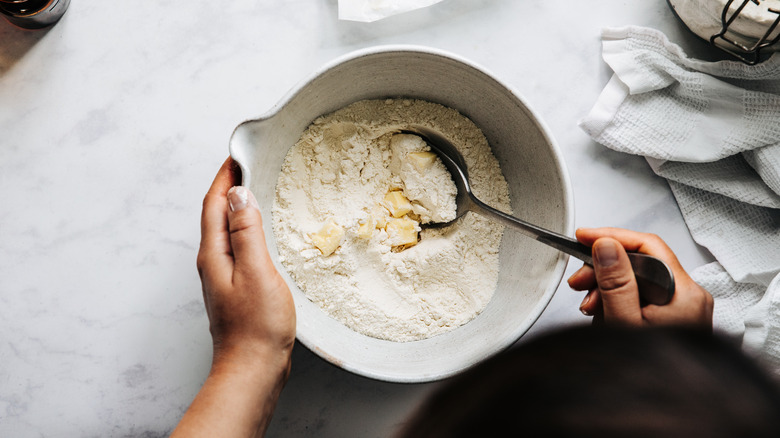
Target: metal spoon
653, 276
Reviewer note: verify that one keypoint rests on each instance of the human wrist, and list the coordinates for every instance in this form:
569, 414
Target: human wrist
252, 360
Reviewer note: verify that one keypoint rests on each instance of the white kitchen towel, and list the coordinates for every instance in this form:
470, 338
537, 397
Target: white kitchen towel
712, 129
746, 311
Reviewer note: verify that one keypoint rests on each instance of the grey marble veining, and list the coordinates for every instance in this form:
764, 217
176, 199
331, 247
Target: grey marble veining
112, 125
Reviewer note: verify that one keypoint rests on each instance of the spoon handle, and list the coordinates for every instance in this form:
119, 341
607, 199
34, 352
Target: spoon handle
654, 278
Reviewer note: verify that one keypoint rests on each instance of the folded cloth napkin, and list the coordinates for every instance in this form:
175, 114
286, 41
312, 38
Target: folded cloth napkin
712, 129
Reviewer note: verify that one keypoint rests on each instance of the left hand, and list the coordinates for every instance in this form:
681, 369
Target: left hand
249, 305
251, 317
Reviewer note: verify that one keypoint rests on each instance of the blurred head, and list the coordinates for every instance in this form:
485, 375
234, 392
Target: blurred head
598, 381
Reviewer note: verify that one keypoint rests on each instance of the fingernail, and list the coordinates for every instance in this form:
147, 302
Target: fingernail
239, 197
605, 253
585, 301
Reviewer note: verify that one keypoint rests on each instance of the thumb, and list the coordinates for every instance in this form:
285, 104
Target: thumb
616, 283
247, 239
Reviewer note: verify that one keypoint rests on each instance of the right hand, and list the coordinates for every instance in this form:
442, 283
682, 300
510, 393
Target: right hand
613, 295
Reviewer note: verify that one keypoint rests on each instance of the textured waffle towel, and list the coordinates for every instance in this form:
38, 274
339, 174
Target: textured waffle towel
712, 129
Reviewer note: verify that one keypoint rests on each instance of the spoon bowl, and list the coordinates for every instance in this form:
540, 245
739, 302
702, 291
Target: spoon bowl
654, 277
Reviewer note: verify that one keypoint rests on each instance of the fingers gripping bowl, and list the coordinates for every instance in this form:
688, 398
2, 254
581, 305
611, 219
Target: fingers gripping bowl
539, 189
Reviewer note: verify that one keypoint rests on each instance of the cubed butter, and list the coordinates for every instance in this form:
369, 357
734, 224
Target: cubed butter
402, 232
397, 204
328, 238
380, 216
366, 227
421, 161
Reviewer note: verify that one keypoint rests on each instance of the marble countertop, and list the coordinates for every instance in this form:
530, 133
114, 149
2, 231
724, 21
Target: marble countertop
112, 126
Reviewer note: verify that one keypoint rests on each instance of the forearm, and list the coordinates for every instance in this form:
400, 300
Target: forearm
238, 397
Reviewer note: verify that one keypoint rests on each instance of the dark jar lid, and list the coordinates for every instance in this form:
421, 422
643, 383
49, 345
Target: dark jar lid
33, 14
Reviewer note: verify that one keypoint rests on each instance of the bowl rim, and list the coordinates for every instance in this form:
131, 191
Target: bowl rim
560, 164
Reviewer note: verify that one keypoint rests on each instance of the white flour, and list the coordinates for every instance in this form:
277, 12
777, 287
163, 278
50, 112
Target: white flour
330, 193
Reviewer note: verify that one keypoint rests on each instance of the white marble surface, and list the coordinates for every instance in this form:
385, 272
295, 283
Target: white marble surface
112, 125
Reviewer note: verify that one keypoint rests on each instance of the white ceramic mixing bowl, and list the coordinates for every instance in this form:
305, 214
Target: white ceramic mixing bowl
539, 188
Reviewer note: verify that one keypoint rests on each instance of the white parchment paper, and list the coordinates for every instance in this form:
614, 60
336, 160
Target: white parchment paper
373, 10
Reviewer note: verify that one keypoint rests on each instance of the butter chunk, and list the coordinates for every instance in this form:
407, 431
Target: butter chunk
328, 238
402, 232
397, 204
421, 161
366, 227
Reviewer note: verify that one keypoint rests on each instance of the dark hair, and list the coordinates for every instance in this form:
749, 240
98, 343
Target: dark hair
607, 382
